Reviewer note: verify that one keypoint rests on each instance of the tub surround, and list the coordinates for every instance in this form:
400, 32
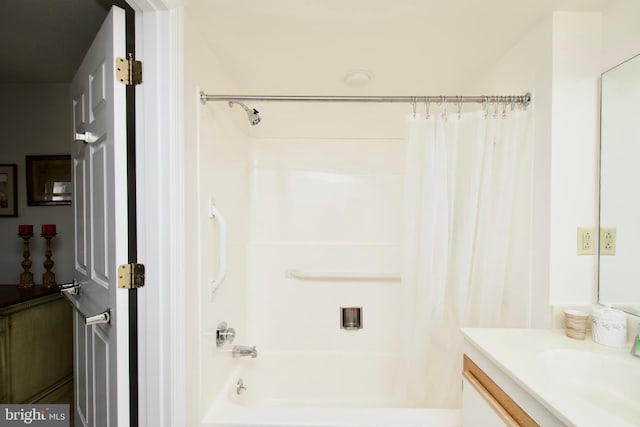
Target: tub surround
558, 380
330, 389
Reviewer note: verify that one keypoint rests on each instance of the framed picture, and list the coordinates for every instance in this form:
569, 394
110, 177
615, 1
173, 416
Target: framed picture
48, 180
8, 190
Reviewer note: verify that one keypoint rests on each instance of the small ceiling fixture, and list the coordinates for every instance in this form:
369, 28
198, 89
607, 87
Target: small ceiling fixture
358, 78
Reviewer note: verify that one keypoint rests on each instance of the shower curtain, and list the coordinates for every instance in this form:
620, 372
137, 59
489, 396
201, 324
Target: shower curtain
466, 243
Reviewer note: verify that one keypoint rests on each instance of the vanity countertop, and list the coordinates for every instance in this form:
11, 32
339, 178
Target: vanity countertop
579, 381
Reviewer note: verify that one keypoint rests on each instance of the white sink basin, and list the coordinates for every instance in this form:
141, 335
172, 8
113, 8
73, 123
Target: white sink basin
609, 383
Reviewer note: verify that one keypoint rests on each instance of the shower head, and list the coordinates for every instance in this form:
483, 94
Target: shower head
252, 113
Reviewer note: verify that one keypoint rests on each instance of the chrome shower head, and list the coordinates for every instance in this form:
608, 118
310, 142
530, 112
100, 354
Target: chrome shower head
252, 113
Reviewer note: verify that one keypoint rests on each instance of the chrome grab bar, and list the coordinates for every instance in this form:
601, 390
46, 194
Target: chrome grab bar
222, 250
102, 318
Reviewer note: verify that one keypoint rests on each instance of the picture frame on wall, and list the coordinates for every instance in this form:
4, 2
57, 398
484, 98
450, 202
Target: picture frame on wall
49, 180
8, 190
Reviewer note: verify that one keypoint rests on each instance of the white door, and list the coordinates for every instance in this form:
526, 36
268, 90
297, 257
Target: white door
100, 203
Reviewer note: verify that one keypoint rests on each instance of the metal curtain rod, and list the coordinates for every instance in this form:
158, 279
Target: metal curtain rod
508, 99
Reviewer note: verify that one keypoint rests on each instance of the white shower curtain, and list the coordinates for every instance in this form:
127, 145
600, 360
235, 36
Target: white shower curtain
466, 243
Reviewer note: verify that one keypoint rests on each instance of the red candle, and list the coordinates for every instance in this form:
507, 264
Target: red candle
25, 230
48, 229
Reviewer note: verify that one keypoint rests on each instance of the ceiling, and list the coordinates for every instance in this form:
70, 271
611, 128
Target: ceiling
45, 40
409, 46
298, 46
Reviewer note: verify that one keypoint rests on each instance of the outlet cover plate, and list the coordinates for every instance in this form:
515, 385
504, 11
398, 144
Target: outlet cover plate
607, 240
586, 242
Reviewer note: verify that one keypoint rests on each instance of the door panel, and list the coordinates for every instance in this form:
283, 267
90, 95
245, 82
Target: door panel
99, 215
80, 369
100, 378
80, 217
100, 198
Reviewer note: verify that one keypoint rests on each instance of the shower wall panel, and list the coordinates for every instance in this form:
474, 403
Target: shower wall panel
324, 206
224, 179
217, 153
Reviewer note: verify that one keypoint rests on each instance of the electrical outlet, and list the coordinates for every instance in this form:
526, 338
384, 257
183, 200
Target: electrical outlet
607, 241
585, 241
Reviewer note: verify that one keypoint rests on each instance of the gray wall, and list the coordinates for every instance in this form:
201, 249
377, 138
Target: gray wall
35, 119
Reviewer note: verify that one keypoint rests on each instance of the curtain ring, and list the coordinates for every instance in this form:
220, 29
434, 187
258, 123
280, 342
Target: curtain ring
459, 106
485, 107
427, 102
413, 105
443, 102
496, 101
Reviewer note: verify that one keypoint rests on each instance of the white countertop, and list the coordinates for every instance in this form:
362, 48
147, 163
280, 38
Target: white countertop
581, 382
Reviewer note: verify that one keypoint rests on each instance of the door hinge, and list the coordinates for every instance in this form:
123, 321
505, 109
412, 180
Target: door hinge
131, 276
129, 71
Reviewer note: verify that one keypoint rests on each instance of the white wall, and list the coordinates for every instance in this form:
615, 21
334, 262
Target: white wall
574, 153
35, 119
584, 45
620, 33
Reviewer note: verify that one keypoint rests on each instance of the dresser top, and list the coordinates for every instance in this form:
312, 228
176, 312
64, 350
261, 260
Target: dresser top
12, 295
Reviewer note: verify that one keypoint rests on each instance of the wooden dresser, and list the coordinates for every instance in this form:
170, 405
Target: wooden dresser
36, 344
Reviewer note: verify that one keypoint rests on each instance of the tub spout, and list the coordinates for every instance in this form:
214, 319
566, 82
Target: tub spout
244, 351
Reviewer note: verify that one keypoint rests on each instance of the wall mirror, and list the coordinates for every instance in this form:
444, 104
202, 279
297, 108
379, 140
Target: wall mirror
619, 257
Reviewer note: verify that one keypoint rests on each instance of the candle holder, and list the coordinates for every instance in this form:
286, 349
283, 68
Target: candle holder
48, 277
26, 277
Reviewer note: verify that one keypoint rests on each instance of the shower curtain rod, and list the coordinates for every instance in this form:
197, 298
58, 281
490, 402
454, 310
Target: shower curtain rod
508, 99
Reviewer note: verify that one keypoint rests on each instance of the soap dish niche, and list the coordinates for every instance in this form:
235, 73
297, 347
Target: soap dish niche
351, 318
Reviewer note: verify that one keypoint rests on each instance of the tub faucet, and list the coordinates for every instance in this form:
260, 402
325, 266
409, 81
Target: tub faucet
244, 351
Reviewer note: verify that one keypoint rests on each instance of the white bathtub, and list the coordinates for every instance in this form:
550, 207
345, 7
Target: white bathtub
319, 390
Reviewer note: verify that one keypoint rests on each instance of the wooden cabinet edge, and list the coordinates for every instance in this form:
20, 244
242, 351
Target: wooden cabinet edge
505, 407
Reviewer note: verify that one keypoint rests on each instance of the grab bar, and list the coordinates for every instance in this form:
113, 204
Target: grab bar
104, 317
222, 251
303, 275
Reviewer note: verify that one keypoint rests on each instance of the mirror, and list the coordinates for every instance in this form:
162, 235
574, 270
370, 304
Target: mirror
619, 258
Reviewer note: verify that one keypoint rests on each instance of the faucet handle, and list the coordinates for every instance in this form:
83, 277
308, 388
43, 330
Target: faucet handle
224, 334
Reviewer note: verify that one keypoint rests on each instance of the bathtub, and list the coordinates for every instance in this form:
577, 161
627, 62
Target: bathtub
319, 390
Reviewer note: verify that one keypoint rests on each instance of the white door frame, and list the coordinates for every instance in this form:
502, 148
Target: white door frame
160, 225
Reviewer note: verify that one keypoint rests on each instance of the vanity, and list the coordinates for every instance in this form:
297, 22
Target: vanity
548, 380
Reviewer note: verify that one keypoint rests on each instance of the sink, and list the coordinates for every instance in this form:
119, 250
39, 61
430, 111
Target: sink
610, 382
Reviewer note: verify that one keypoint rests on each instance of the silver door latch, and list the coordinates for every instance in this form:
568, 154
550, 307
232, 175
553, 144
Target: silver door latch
85, 137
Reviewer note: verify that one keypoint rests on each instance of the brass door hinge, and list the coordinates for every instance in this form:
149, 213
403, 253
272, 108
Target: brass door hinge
131, 276
129, 71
